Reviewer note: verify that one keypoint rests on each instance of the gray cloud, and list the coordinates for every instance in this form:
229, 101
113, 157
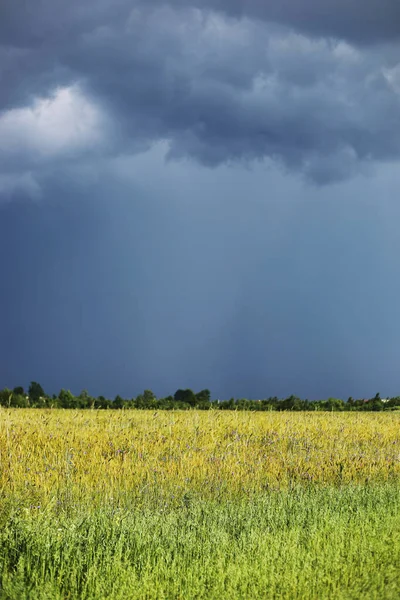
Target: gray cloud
366, 21
172, 276
217, 88
363, 21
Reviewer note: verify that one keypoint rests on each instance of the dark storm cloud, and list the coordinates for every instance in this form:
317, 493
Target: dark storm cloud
219, 89
243, 282
365, 21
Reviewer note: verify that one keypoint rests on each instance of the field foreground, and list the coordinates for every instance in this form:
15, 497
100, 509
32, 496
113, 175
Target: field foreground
131, 504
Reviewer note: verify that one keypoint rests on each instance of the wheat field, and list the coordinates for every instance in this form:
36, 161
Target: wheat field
191, 504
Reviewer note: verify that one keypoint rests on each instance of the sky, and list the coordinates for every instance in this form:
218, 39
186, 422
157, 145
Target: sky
200, 194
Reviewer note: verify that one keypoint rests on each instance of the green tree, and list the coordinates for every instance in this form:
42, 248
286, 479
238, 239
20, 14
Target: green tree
118, 402
291, 403
203, 398
5, 397
67, 399
85, 400
149, 396
146, 400
102, 402
334, 404
376, 403
35, 391
186, 396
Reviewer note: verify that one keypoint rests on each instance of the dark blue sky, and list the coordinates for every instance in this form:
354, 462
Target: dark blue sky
200, 195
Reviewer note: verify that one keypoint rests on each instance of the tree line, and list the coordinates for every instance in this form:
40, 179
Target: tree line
183, 399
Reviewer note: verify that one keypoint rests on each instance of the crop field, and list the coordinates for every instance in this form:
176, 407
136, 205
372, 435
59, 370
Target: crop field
199, 504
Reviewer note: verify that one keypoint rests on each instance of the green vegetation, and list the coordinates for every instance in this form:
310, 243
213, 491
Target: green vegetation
303, 543
184, 400
199, 505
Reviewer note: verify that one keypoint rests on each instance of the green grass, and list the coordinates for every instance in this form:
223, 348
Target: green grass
307, 542
199, 505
